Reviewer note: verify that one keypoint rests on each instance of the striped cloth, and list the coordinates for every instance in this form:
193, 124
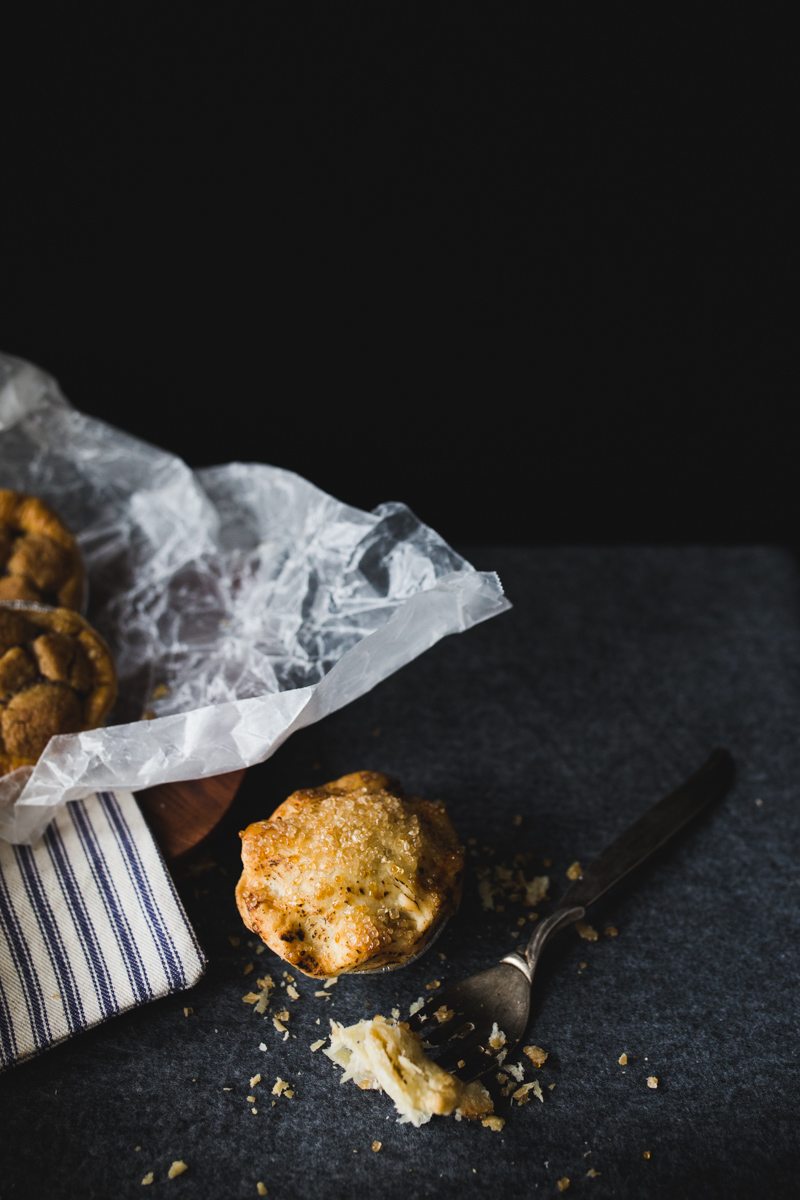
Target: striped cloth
90, 926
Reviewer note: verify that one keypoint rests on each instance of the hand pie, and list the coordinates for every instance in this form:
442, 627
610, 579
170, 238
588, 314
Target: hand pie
39, 557
56, 676
350, 876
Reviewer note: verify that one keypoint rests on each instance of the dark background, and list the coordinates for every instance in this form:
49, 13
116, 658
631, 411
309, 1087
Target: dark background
526, 274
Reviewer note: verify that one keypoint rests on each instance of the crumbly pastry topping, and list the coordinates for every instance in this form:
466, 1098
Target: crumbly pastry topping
387, 1056
56, 676
349, 876
39, 558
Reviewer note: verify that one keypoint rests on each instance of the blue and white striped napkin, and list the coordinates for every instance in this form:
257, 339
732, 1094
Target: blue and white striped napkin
90, 926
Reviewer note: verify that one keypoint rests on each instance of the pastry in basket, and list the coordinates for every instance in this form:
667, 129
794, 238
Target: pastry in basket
56, 676
350, 876
39, 558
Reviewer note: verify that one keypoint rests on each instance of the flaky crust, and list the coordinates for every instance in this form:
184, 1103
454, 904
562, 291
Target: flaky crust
39, 558
349, 876
56, 676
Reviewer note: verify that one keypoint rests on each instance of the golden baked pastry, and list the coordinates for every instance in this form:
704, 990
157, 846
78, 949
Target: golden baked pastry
350, 876
39, 558
56, 676
387, 1056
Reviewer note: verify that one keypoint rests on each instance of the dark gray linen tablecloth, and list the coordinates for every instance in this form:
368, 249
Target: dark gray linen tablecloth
612, 678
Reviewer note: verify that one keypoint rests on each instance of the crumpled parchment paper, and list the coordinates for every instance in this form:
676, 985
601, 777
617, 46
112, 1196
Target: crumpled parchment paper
240, 602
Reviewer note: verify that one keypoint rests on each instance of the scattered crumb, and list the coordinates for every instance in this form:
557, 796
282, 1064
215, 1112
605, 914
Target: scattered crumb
262, 1045
586, 931
396, 1014
517, 820
324, 995
443, 1013
546, 862
316, 1045
254, 1111
261, 1189
652, 1081
515, 1071
551, 1086
442, 956
574, 872
583, 966
592, 1173
495, 1123
376, 1146
148, 1178
759, 803
331, 981
563, 1184
611, 931
251, 998
260, 949
255, 1079
187, 1011
521, 1094
646, 1154
496, 1038
416, 1006
501, 1077
279, 1025
280, 1086
623, 1060
248, 969
177, 1168
251, 1099
536, 890
292, 992
433, 985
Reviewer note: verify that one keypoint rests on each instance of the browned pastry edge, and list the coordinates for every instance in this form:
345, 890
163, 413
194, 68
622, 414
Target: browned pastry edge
100, 697
29, 514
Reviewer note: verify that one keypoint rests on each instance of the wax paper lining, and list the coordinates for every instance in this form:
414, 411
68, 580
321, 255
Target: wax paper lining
240, 602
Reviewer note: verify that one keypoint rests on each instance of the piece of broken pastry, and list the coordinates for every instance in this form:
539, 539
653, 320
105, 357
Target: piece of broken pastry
39, 558
382, 1054
56, 676
350, 876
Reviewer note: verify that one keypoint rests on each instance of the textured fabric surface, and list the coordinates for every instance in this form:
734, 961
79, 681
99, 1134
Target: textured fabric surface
546, 732
90, 926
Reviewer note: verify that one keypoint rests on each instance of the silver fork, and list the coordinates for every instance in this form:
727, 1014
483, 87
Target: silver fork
468, 1012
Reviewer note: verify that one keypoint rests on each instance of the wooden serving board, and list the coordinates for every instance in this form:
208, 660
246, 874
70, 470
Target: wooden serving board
180, 815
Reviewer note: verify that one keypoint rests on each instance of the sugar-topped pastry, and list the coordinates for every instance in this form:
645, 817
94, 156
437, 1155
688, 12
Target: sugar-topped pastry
56, 676
39, 558
350, 876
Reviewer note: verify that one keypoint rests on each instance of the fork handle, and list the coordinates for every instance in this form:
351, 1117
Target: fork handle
529, 958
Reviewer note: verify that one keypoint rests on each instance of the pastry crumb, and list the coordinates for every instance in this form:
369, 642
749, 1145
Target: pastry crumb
588, 932
574, 872
443, 1013
493, 1122
611, 931
261, 1189
292, 992
376, 1146
563, 1184
331, 982
652, 1081
516, 820
496, 1038
416, 1006
623, 1060
177, 1168
248, 969
433, 985
316, 1045
147, 1179
646, 1154
254, 1080
187, 1011
592, 1173
279, 1087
